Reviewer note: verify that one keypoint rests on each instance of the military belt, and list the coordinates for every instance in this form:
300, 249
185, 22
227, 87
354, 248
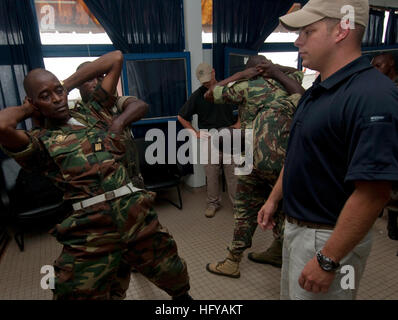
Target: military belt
310, 225
107, 196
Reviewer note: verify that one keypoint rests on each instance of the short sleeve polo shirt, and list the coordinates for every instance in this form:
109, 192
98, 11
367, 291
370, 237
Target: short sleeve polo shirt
209, 114
345, 130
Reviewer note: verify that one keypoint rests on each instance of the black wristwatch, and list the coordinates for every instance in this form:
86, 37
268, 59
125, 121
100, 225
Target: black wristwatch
326, 263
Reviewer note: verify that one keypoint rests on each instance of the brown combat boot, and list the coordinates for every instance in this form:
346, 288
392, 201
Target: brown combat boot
272, 256
210, 212
228, 267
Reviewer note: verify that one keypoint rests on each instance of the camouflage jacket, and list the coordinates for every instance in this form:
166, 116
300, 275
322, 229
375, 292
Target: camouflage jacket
267, 108
105, 115
82, 160
253, 95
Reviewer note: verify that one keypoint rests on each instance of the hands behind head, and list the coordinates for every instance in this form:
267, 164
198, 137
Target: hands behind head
250, 73
267, 69
37, 117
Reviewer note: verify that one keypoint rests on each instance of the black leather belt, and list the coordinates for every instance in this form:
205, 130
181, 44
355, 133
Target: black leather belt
310, 225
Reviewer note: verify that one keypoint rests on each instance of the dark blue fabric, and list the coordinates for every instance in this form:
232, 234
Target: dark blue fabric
374, 32
392, 29
161, 83
20, 50
141, 26
345, 129
243, 24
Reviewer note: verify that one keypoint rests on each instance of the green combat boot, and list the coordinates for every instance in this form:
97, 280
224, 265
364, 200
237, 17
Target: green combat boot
272, 256
228, 267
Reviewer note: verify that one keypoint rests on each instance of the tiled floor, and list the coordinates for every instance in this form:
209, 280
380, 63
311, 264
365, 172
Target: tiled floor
200, 240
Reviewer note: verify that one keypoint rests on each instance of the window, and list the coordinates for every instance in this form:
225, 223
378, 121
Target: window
161, 80
288, 59
236, 60
207, 21
68, 31
64, 67
68, 22
281, 34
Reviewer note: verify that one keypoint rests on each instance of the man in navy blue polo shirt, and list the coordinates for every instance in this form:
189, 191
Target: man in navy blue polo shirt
342, 156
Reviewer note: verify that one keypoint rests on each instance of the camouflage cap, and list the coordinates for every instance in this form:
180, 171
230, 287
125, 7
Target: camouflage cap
203, 72
316, 10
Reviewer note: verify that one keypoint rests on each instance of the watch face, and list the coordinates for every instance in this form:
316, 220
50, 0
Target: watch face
324, 263
327, 266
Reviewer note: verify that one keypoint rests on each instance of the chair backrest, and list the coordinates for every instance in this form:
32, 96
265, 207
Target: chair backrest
150, 171
141, 147
25, 190
10, 170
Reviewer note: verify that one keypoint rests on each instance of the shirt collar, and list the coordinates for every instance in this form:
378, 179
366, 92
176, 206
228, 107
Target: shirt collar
358, 65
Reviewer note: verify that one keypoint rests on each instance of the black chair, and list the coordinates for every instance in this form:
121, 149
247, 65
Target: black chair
28, 199
159, 176
4, 237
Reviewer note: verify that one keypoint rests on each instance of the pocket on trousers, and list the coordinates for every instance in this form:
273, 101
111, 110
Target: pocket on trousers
362, 250
321, 236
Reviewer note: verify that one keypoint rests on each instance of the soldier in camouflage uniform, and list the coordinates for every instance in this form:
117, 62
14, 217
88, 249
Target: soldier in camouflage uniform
266, 105
385, 63
112, 221
136, 109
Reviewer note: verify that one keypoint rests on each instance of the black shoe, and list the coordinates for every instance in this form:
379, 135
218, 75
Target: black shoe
182, 298
393, 234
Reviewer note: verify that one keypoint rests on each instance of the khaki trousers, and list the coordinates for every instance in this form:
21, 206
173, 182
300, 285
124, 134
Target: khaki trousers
300, 246
212, 171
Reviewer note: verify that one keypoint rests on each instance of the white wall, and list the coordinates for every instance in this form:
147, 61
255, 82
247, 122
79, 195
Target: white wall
208, 56
193, 43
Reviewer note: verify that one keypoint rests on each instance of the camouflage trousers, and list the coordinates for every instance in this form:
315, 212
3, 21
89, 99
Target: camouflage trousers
98, 268
251, 194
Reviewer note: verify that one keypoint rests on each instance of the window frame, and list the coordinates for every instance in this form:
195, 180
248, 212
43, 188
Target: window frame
186, 55
97, 50
266, 47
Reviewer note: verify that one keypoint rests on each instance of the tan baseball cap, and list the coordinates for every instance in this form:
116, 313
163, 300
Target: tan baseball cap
316, 10
203, 72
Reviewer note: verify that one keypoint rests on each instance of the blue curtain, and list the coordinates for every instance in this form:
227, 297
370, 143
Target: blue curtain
392, 29
20, 49
166, 92
374, 32
243, 24
140, 26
